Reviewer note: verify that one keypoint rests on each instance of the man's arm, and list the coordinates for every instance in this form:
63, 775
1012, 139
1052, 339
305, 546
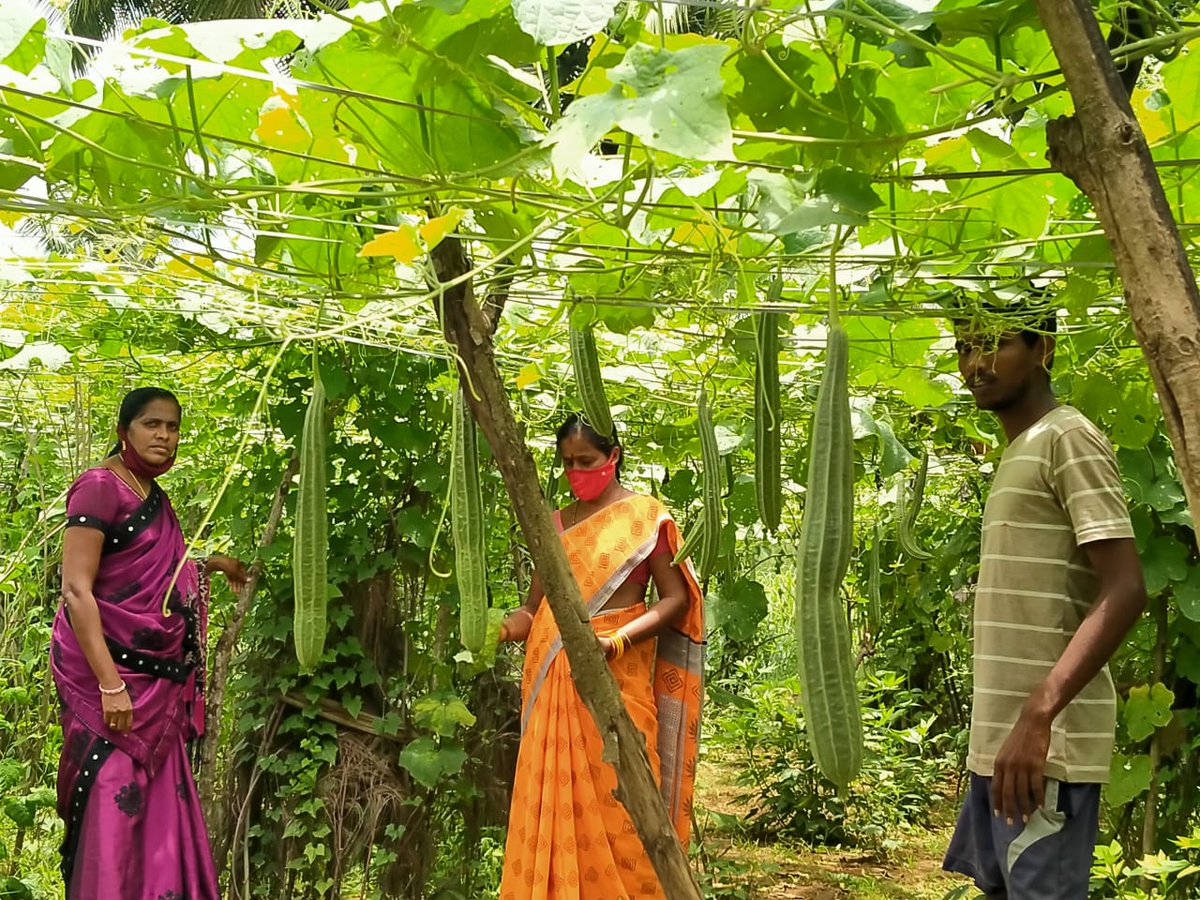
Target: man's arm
1017, 783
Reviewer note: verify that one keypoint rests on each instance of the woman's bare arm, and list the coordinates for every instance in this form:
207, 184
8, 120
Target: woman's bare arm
81, 559
517, 624
673, 601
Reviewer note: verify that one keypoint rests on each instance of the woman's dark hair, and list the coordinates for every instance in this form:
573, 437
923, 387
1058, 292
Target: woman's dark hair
136, 401
576, 424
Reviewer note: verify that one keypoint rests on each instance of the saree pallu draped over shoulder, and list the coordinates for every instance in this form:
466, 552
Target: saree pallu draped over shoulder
568, 836
134, 827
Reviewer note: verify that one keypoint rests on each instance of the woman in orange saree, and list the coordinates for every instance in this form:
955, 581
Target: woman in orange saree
568, 836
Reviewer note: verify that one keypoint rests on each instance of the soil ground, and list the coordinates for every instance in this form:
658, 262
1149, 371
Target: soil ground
738, 868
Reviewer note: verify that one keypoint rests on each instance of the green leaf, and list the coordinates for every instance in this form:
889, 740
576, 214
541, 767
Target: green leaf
12, 773
784, 208
848, 189
1164, 561
428, 763
19, 812
1187, 595
992, 147
1147, 710
670, 100
41, 798
1187, 654
553, 22
1179, 79
388, 724
1137, 473
1165, 494
22, 35
740, 608
442, 713
1129, 778
353, 705
895, 457
265, 247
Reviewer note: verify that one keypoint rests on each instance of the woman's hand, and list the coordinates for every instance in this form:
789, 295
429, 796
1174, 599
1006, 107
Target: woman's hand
234, 570
118, 711
609, 646
517, 625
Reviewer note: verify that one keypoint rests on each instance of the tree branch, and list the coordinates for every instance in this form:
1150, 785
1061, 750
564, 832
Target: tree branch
1102, 149
624, 746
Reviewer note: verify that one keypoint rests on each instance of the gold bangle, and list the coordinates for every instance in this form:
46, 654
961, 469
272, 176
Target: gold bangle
616, 643
621, 640
112, 692
522, 609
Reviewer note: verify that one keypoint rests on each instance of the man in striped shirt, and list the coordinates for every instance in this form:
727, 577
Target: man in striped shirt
1060, 584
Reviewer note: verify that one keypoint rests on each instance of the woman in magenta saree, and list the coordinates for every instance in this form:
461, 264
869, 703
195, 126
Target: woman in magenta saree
127, 654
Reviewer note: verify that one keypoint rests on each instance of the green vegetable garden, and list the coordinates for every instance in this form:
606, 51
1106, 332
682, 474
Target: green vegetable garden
381, 250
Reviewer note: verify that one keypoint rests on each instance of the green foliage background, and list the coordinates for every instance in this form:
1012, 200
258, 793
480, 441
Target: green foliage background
206, 205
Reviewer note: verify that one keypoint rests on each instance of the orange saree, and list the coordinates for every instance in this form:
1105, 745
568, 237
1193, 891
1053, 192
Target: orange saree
568, 836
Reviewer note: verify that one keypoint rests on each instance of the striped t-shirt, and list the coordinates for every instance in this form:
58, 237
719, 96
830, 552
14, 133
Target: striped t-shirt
1056, 488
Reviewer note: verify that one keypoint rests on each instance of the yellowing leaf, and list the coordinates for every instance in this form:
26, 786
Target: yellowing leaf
401, 243
703, 234
1154, 124
434, 230
291, 100
186, 264
279, 127
531, 374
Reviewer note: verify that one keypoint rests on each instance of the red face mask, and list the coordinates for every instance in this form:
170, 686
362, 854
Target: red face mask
588, 484
135, 463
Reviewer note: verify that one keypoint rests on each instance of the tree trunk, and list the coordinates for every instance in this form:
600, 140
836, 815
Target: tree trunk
1102, 149
215, 695
469, 329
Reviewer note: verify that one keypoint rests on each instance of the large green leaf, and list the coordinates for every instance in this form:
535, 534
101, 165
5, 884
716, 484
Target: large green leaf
1164, 561
670, 100
1129, 778
1187, 595
22, 35
443, 713
739, 608
554, 22
1147, 709
784, 206
429, 763
894, 457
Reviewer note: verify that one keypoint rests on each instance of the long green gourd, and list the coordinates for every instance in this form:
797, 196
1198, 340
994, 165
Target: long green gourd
691, 542
467, 529
767, 418
829, 690
310, 543
874, 574
710, 458
907, 511
586, 364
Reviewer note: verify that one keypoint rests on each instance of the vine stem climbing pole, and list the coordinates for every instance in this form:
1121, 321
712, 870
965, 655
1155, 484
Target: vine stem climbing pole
1102, 149
469, 327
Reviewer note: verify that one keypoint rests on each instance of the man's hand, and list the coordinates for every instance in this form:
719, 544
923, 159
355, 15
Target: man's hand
1018, 787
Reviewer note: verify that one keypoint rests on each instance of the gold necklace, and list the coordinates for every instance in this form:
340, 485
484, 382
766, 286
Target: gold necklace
137, 482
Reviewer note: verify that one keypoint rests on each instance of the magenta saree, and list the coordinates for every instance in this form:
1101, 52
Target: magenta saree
134, 828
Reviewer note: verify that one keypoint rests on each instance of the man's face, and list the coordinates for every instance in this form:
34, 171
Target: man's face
1000, 369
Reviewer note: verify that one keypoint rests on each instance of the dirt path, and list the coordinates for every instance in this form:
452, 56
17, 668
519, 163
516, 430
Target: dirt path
735, 867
